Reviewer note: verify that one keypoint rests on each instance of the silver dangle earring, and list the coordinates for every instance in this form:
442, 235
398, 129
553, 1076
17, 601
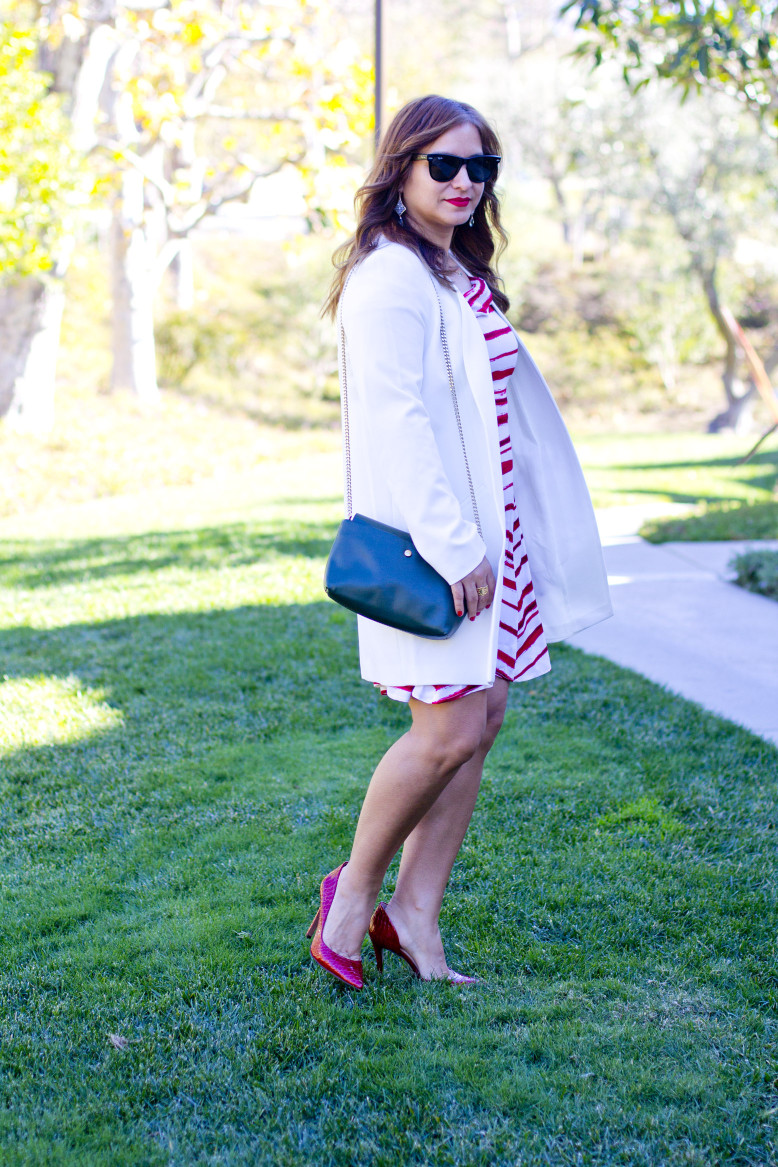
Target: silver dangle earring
471, 222
400, 209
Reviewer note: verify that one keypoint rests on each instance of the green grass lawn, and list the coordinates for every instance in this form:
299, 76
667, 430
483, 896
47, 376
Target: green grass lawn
720, 522
184, 744
688, 468
718, 498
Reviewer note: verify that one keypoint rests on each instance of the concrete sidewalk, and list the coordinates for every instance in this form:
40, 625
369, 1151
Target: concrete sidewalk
679, 621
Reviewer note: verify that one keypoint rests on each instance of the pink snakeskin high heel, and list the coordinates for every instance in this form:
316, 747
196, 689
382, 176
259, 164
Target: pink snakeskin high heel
383, 934
342, 967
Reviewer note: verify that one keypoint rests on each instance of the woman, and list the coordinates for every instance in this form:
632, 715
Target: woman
427, 221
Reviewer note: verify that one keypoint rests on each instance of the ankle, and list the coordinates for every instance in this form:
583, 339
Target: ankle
358, 893
418, 920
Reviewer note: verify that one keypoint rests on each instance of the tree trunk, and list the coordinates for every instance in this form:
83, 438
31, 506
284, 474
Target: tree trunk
134, 360
512, 30
738, 415
182, 272
30, 320
561, 202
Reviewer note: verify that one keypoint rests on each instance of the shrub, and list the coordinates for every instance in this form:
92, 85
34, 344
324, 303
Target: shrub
757, 571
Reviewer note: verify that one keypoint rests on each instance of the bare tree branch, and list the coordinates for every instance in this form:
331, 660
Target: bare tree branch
224, 113
212, 203
136, 160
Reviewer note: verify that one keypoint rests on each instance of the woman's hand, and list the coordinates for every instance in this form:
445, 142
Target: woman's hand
465, 591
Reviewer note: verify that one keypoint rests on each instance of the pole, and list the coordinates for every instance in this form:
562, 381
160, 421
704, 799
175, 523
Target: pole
378, 116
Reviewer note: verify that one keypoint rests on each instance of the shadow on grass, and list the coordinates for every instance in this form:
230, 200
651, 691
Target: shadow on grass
158, 877
32, 565
271, 667
232, 712
767, 458
765, 481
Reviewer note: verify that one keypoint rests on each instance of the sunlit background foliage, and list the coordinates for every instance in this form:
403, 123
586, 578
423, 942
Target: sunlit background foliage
175, 174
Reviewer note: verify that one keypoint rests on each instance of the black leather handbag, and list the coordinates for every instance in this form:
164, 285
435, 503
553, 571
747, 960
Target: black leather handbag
374, 569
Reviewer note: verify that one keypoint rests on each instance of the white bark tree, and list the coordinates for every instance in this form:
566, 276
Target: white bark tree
148, 85
180, 73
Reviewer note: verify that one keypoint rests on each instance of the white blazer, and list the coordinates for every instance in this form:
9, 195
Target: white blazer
408, 469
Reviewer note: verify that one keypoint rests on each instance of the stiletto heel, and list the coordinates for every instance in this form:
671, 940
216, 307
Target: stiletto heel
383, 934
343, 967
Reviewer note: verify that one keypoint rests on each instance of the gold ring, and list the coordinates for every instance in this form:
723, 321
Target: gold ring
482, 591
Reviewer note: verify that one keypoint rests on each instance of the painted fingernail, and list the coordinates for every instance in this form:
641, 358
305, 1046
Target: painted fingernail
460, 613
472, 617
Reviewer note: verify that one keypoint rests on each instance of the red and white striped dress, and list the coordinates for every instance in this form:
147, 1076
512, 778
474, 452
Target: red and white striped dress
522, 652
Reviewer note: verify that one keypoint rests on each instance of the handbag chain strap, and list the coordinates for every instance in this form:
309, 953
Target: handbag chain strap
454, 401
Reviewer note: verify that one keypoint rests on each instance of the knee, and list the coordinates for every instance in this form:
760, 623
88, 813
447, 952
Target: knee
447, 753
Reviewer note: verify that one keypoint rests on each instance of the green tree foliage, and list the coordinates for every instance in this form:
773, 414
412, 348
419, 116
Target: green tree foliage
38, 173
733, 46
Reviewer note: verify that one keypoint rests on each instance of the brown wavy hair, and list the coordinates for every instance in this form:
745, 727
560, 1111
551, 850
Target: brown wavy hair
411, 130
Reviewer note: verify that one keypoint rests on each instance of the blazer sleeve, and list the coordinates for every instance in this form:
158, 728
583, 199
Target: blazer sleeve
387, 317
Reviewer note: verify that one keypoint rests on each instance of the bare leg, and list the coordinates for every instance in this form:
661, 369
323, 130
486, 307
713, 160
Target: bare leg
431, 848
407, 782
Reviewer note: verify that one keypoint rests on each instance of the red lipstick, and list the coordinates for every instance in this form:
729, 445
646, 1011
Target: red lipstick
458, 202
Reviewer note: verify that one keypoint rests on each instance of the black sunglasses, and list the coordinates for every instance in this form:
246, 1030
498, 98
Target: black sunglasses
443, 167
